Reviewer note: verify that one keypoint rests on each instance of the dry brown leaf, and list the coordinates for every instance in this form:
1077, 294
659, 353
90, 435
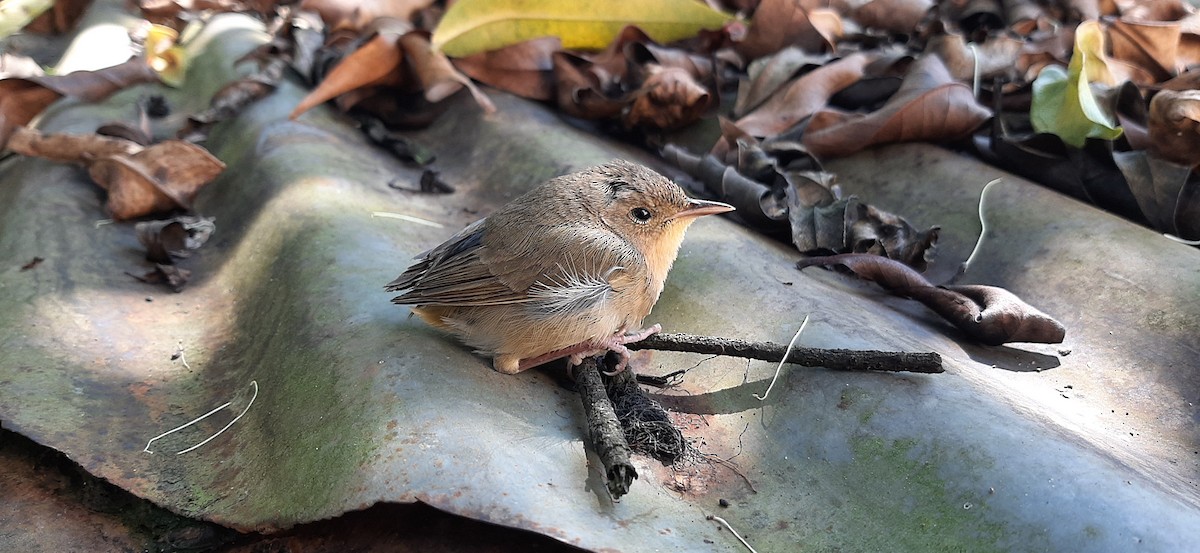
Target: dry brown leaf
669, 98
580, 92
1154, 10
1174, 126
178, 13
60, 18
377, 61
803, 97
767, 75
232, 98
437, 75
988, 314
168, 274
896, 16
359, 14
1188, 80
930, 105
525, 69
1188, 51
777, 24
642, 53
139, 180
23, 99
996, 56
69, 148
174, 238
163, 177
611, 66
1024, 16
1151, 46
1045, 49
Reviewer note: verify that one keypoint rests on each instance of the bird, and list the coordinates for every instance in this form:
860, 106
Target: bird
569, 269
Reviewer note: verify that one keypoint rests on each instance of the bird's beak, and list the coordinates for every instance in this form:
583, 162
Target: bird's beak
697, 208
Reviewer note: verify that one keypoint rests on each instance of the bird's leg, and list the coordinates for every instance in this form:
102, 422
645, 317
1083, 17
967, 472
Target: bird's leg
615, 343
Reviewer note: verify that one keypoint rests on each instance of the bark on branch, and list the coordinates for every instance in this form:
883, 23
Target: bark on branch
604, 430
836, 359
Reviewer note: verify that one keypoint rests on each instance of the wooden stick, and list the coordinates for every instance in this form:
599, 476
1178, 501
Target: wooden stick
836, 359
607, 437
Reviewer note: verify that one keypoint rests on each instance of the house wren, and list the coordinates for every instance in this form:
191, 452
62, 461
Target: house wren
569, 269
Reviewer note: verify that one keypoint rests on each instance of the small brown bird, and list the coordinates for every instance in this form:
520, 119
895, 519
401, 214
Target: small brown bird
569, 269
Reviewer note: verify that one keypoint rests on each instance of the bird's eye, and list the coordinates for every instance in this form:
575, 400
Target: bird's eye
640, 215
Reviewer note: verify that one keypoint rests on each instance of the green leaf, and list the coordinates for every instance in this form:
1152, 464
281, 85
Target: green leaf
1063, 102
473, 26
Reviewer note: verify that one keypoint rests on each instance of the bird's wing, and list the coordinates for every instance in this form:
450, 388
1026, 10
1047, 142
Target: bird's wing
567, 269
454, 274
558, 270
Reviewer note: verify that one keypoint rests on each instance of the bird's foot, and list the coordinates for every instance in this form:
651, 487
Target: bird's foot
616, 343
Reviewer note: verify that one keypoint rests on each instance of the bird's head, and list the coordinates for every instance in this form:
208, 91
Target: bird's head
647, 209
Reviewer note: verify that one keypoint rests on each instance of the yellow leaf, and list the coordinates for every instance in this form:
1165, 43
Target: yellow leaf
165, 56
473, 26
1064, 103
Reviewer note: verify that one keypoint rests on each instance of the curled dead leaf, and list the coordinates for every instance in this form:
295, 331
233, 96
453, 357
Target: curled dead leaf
139, 180
1150, 45
23, 99
996, 56
375, 62
1167, 193
669, 98
437, 75
766, 75
579, 90
525, 69
757, 204
69, 148
232, 98
162, 177
175, 238
897, 16
930, 105
1174, 126
988, 314
165, 273
777, 24
360, 14
800, 99
395, 56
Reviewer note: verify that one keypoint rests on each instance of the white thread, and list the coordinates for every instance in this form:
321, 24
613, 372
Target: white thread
982, 227
786, 352
409, 218
734, 532
975, 79
202, 417
1182, 240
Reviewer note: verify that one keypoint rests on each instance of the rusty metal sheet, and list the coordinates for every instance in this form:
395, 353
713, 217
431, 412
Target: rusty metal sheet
345, 401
